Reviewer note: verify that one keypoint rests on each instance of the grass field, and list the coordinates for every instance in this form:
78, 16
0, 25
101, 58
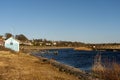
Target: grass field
19, 66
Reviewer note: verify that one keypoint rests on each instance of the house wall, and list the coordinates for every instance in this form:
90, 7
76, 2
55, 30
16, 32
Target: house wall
12, 44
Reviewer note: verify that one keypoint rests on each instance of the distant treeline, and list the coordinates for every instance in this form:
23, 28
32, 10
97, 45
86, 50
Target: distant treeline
102, 45
45, 42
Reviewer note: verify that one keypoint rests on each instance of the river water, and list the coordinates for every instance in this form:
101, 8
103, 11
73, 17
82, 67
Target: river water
80, 59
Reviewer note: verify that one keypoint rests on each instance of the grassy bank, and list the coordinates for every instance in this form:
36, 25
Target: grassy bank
25, 67
42, 48
83, 48
38, 48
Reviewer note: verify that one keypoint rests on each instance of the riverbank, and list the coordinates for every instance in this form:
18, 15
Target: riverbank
38, 48
43, 48
83, 49
22, 66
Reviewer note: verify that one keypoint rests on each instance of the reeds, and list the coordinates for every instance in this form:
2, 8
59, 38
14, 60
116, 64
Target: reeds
106, 72
112, 73
97, 66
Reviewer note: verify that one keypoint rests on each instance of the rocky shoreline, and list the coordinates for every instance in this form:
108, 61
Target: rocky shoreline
80, 74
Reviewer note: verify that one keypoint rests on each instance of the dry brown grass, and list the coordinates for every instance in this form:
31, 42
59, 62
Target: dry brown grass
108, 73
83, 48
25, 67
112, 73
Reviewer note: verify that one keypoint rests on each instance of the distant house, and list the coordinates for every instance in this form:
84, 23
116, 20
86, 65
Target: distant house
12, 44
48, 44
26, 43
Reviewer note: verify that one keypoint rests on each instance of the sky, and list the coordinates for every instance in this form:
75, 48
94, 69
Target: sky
88, 21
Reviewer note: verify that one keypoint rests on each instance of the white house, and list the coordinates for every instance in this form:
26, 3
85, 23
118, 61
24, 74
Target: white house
12, 44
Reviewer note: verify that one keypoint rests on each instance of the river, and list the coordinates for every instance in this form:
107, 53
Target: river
80, 59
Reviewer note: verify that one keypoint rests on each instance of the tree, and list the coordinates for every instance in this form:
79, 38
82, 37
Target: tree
8, 35
21, 37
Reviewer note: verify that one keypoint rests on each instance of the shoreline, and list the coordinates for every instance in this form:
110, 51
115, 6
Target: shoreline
32, 50
28, 49
42, 48
83, 49
38, 48
35, 49
80, 74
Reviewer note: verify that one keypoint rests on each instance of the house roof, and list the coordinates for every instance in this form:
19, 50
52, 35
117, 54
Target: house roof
13, 39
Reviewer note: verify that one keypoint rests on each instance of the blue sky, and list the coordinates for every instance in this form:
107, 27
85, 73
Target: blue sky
89, 21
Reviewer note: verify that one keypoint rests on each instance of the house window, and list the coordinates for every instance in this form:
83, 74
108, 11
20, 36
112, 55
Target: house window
11, 43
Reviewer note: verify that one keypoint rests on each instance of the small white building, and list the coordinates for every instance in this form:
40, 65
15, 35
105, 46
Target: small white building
12, 44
